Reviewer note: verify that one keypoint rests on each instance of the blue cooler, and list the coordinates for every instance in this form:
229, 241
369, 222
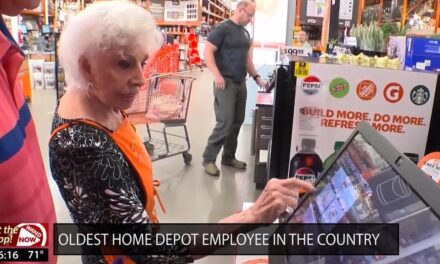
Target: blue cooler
422, 54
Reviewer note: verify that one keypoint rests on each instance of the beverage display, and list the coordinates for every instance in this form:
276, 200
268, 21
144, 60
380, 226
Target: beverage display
328, 161
306, 164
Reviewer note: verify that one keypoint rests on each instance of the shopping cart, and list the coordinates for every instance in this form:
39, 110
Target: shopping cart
164, 100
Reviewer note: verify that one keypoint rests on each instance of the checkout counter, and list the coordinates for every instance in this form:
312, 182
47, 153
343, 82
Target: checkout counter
325, 100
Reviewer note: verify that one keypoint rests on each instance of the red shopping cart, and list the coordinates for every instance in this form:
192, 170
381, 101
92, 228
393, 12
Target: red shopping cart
164, 100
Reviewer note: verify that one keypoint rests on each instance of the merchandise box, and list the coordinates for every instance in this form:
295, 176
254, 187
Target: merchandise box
36, 69
422, 54
49, 83
49, 70
38, 81
396, 48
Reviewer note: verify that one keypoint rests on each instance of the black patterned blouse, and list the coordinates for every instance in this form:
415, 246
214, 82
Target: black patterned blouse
98, 185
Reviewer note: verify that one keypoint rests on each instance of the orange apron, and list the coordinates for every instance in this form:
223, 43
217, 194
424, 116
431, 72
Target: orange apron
132, 147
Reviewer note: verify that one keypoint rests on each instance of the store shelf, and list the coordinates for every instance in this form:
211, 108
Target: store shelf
177, 23
212, 14
413, 7
174, 28
218, 7
371, 2
31, 13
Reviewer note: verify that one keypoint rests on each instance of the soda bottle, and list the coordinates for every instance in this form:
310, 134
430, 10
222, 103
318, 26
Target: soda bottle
306, 164
328, 161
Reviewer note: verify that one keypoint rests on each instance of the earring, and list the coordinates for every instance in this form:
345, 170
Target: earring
90, 85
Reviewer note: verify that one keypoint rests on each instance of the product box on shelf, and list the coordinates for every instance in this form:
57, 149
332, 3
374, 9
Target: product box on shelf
422, 54
36, 68
38, 81
396, 49
49, 83
49, 70
49, 75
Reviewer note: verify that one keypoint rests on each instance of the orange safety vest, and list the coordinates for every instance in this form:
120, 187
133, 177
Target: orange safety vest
132, 147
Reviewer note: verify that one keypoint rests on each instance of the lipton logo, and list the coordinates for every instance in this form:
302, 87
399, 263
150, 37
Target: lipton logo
311, 85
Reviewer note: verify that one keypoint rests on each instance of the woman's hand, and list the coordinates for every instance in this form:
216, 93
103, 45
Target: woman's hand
277, 196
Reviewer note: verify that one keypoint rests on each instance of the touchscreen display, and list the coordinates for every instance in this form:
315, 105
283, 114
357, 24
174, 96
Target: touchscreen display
362, 187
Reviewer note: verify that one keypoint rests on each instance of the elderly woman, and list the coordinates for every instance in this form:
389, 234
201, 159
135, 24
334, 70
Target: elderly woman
100, 165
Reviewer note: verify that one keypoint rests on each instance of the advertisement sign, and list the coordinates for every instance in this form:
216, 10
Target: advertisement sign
288, 52
182, 11
315, 8
430, 164
157, 9
332, 99
346, 9
313, 12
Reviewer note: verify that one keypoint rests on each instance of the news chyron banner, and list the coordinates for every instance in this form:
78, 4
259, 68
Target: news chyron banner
27, 242
226, 239
331, 100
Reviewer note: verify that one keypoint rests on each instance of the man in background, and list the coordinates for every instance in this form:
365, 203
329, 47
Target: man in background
304, 39
24, 191
228, 57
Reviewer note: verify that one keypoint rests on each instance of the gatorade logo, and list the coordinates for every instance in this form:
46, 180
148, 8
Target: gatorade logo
311, 85
393, 92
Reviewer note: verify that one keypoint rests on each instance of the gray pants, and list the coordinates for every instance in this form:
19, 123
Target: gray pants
230, 108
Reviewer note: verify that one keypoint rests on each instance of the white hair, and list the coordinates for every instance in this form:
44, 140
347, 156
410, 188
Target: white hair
101, 26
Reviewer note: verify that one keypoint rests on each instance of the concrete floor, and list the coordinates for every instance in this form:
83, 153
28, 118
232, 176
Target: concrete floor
189, 195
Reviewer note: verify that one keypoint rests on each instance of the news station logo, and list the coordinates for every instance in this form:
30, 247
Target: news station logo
311, 85
23, 235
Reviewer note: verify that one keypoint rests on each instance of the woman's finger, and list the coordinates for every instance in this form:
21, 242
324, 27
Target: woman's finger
298, 184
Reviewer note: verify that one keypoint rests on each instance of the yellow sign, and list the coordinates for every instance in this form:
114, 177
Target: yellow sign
301, 69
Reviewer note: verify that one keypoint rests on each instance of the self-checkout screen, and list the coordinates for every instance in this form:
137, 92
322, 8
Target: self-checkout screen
362, 187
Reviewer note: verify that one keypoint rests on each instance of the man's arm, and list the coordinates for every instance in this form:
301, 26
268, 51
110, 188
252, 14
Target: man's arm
210, 50
252, 71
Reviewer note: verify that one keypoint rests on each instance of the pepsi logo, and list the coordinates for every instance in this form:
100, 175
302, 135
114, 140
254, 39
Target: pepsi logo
311, 85
305, 174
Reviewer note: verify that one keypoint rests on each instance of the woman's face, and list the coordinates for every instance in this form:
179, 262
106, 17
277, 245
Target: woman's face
14, 7
117, 75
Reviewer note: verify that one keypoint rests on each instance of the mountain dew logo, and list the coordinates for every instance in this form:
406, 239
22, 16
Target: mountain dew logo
339, 87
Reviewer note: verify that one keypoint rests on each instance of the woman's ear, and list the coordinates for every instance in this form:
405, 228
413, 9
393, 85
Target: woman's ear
85, 67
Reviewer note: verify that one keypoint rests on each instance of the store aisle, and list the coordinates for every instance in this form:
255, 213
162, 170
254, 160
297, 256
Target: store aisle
189, 195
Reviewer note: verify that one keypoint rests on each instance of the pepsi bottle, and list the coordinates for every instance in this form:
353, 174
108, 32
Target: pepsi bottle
306, 164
